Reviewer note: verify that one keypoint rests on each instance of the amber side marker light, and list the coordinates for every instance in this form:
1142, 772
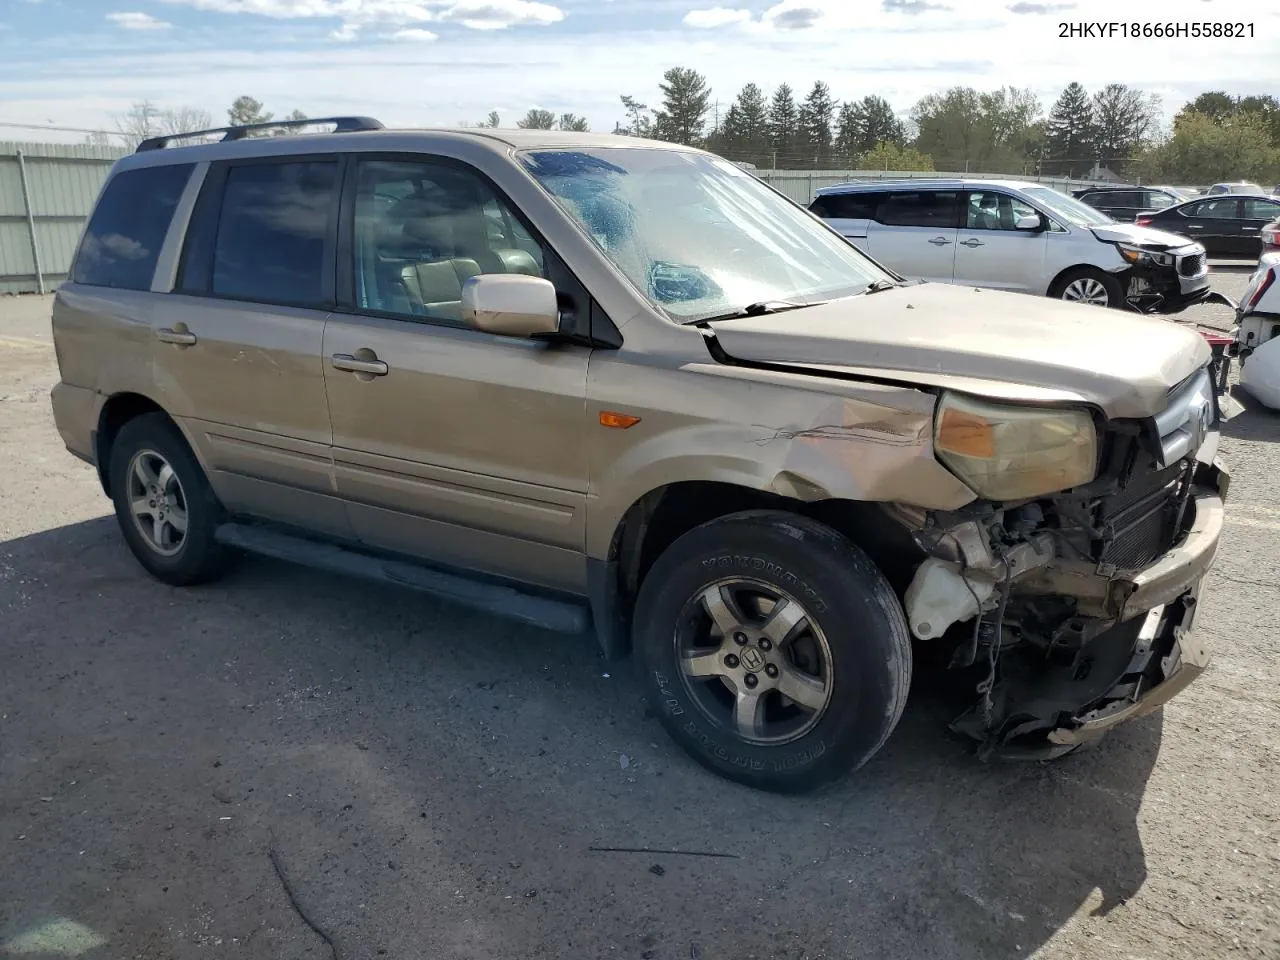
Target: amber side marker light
619, 421
966, 434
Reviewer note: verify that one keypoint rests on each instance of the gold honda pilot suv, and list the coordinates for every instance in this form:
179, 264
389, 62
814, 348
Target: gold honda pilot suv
611, 386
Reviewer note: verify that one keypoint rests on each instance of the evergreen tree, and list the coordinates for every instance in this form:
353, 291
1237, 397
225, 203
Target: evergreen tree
864, 124
685, 101
1071, 132
783, 122
813, 121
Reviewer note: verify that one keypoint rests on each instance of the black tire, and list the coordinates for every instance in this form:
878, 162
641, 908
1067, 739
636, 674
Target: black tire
1063, 286
845, 596
198, 557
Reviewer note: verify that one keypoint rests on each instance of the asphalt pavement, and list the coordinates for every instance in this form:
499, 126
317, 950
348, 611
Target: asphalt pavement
291, 765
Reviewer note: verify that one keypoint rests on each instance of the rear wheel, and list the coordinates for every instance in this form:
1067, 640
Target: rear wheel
774, 650
164, 505
1088, 285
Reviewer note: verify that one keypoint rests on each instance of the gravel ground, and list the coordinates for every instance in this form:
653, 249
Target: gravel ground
290, 765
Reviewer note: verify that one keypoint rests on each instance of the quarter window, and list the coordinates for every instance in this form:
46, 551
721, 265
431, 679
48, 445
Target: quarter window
122, 241
845, 206
272, 232
421, 230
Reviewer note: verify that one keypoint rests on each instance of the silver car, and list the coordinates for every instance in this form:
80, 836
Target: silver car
1017, 236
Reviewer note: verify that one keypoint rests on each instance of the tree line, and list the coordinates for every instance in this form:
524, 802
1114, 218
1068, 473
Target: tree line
1216, 136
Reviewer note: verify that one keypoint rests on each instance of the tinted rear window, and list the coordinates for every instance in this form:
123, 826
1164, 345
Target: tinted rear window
845, 206
923, 208
122, 241
272, 231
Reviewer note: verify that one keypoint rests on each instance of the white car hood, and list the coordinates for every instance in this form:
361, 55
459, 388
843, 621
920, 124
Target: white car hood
1138, 236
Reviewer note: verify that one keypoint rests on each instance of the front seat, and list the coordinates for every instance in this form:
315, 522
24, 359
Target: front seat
436, 283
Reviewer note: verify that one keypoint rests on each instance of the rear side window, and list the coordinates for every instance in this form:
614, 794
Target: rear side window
923, 208
273, 232
122, 241
845, 206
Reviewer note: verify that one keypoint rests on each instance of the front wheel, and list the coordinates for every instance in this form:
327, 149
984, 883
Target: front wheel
773, 649
1087, 285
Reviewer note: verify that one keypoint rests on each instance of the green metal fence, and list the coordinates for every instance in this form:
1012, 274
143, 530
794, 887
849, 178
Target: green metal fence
46, 192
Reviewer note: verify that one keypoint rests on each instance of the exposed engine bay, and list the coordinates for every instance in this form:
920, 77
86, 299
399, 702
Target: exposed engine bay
1070, 608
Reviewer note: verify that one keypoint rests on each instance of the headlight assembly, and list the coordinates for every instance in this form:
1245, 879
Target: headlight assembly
1006, 452
1140, 257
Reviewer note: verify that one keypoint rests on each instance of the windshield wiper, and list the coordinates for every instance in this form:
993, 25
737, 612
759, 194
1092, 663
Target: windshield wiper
879, 286
760, 308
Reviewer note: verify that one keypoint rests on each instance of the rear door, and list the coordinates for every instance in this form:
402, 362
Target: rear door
991, 252
1256, 213
914, 232
1215, 223
237, 358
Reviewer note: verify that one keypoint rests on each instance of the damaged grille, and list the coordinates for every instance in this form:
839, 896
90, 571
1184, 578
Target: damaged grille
1192, 265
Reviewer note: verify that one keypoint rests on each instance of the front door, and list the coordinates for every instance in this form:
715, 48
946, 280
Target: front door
992, 252
1255, 213
451, 445
914, 233
237, 353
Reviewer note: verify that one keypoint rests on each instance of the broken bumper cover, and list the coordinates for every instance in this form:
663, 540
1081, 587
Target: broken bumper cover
1167, 657
1166, 626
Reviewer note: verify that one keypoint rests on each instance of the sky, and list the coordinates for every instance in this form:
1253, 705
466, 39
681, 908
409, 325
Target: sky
80, 63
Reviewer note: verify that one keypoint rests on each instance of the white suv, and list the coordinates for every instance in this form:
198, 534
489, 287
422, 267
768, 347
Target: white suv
1022, 237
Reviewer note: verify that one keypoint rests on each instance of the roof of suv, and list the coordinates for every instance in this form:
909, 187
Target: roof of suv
922, 184
387, 140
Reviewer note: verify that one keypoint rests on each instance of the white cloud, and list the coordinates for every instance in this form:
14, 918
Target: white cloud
82, 80
355, 15
138, 21
498, 14
715, 17
414, 33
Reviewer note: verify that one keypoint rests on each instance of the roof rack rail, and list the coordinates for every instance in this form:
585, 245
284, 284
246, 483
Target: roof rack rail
341, 125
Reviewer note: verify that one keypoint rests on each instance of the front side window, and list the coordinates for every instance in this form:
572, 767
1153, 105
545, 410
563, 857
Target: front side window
422, 229
697, 235
122, 241
988, 210
1255, 208
272, 232
1065, 208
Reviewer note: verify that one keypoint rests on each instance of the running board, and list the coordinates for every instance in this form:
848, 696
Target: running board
563, 616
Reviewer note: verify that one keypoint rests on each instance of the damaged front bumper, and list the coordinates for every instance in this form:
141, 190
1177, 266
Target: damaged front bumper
1135, 646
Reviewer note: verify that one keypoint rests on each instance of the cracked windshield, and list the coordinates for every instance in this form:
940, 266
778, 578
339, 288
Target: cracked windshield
700, 236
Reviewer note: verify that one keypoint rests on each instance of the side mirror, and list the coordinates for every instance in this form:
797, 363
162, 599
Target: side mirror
1029, 222
511, 305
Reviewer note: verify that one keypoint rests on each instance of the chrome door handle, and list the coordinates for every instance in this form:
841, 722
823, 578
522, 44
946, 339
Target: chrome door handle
971, 243
182, 338
939, 241
1194, 226
1248, 229
344, 361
